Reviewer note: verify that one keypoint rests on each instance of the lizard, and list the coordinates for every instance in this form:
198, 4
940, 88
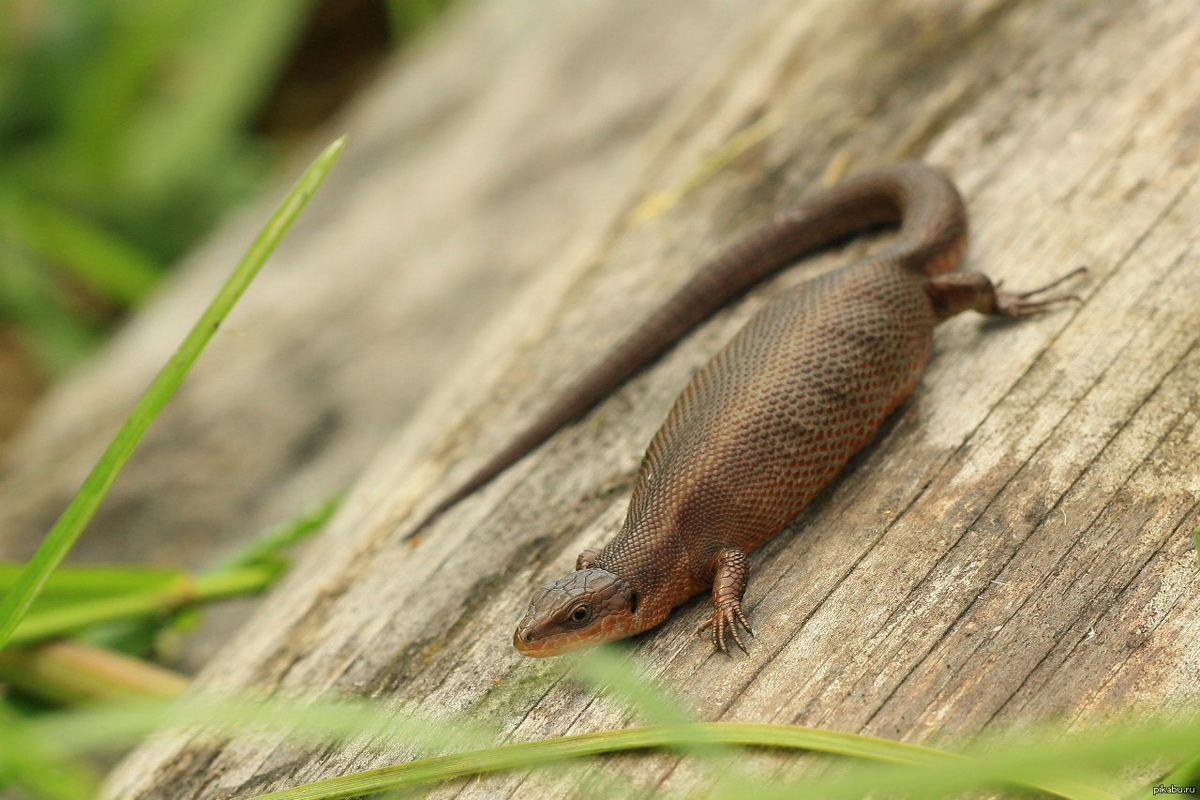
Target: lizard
769, 422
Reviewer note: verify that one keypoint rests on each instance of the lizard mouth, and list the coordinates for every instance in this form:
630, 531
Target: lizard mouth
527, 645
556, 645
531, 639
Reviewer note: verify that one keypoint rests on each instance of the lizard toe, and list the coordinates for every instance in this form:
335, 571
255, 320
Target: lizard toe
724, 623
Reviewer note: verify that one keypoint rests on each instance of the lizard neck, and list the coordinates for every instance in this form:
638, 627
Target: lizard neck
658, 563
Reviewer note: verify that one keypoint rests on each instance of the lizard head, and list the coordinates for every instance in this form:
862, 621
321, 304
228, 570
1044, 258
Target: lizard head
587, 607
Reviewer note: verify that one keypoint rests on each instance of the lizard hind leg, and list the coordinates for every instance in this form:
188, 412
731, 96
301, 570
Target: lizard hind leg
731, 573
956, 292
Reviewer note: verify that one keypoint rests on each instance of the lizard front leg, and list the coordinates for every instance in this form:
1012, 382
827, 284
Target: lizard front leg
587, 558
730, 569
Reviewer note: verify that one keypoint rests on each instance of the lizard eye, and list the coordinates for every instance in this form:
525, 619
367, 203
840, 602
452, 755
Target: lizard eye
580, 614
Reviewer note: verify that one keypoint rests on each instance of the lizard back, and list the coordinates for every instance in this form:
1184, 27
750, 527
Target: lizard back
931, 239
770, 421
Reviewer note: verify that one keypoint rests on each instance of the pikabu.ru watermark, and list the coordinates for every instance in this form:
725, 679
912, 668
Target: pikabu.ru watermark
1170, 788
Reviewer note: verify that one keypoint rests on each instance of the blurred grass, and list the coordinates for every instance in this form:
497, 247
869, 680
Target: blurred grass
67, 672
127, 129
81, 597
119, 614
409, 17
28, 762
124, 135
17, 601
1087, 763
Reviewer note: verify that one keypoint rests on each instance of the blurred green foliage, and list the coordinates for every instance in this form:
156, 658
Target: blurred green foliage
126, 132
409, 17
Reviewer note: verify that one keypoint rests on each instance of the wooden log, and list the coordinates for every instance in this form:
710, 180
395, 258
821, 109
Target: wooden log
1015, 546
487, 156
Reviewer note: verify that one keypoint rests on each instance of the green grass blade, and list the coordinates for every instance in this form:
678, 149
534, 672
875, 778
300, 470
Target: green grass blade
1044, 760
62, 619
106, 99
255, 566
37, 767
80, 583
116, 269
126, 608
612, 668
407, 18
78, 513
226, 61
34, 304
534, 754
112, 727
271, 546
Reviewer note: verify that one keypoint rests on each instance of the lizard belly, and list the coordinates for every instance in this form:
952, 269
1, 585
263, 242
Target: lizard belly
770, 421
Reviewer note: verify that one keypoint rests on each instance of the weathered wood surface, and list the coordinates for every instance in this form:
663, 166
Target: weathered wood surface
1015, 546
474, 164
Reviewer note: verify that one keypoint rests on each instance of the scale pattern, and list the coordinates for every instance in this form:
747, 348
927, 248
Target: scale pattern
770, 421
773, 418
933, 233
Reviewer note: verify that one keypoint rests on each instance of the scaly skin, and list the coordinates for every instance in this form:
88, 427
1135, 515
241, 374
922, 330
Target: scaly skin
773, 418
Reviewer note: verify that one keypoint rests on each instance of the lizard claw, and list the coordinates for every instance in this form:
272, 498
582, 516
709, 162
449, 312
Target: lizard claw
724, 620
1023, 304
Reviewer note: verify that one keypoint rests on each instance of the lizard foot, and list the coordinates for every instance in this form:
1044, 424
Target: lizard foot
725, 620
1024, 304
730, 569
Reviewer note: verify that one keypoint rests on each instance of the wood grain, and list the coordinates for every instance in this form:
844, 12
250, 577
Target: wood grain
1015, 547
473, 165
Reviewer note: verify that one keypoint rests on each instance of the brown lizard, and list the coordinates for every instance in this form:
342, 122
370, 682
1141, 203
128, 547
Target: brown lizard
770, 421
